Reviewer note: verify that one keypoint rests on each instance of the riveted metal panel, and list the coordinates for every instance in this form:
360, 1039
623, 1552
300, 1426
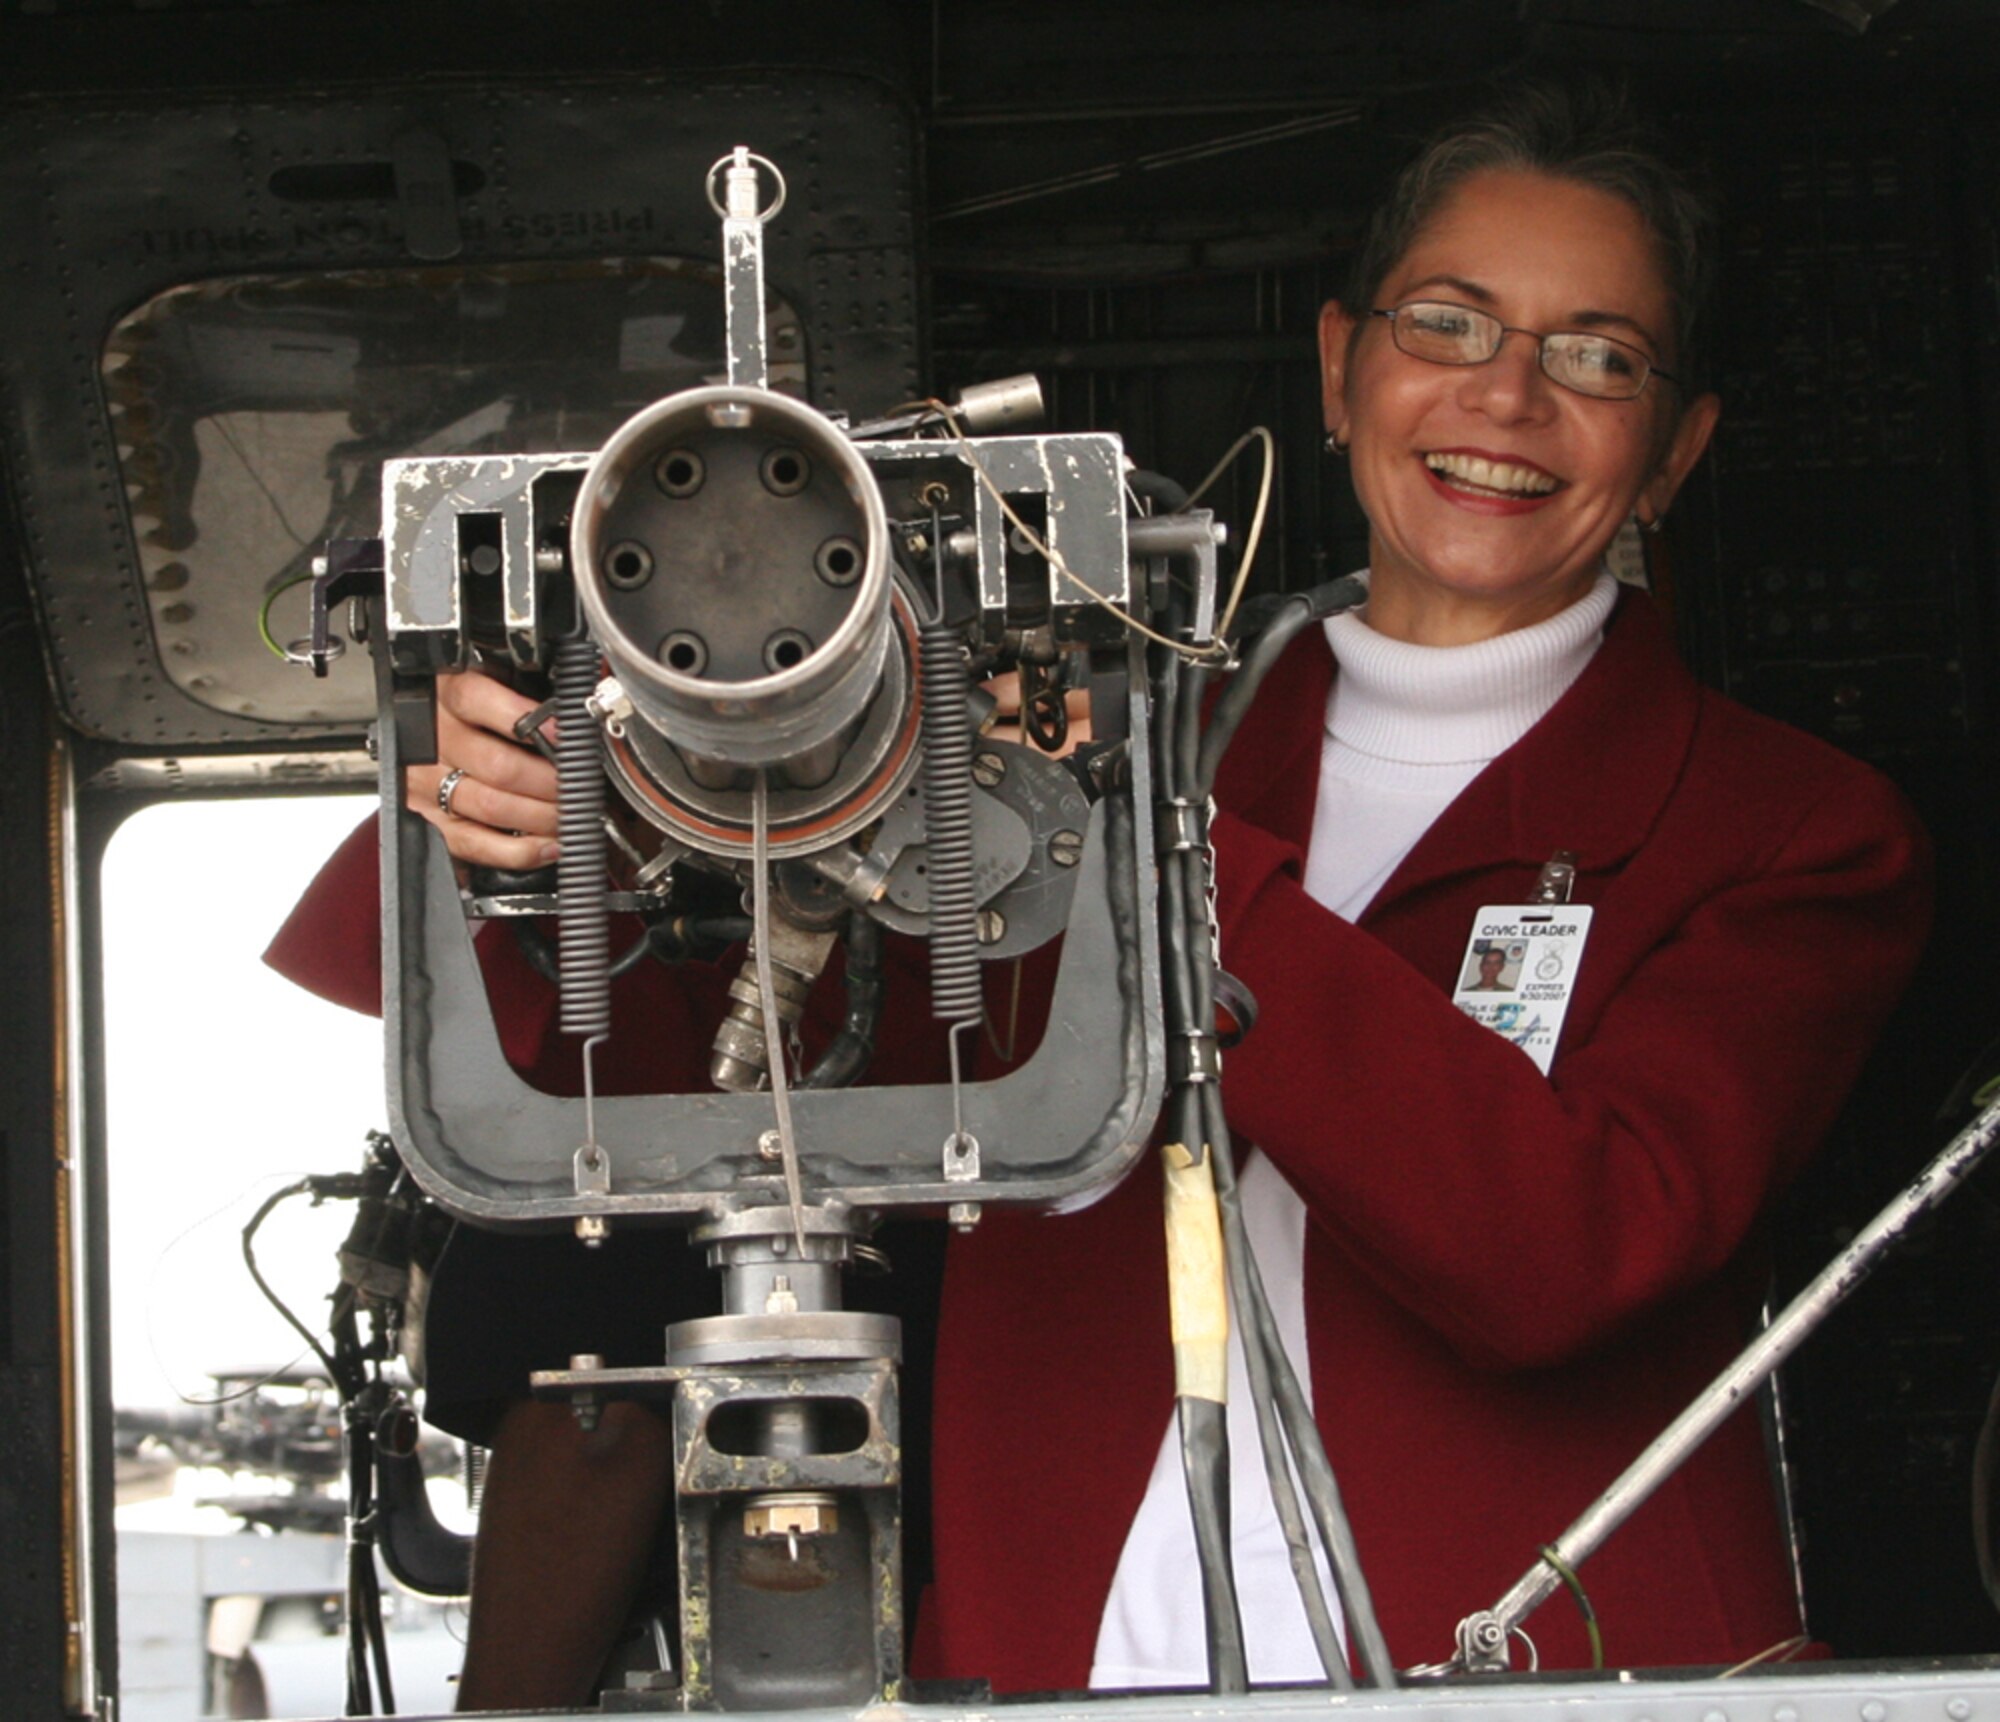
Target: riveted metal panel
276, 187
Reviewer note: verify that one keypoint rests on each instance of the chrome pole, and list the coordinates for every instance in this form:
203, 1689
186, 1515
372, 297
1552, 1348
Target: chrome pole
1482, 1637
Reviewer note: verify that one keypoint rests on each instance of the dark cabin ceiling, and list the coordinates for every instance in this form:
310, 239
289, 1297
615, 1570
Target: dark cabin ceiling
1049, 141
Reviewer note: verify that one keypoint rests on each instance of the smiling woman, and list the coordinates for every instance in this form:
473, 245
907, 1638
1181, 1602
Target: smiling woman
1506, 1236
1491, 452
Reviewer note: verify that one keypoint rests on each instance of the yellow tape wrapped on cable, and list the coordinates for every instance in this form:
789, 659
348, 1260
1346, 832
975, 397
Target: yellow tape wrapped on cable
1197, 1282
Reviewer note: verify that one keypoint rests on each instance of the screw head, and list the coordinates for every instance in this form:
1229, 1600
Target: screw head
1066, 848
988, 768
992, 926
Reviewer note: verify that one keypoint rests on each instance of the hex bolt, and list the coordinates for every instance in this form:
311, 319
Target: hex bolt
586, 1402
592, 1230
988, 769
1066, 847
963, 1216
791, 1516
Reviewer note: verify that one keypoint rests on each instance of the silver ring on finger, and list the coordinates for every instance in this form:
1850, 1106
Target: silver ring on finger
448, 787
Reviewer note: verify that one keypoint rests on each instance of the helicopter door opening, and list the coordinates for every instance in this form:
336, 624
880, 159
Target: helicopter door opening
225, 1084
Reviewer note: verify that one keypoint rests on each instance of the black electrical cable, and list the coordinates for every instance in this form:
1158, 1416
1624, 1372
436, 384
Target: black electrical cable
367, 1644
1162, 492
1294, 614
1204, 1432
1295, 1415
1204, 1426
1283, 1415
1185, 882
1292, 1409
543, 958
333, 1373
849, 1052
1263, 1358
346, 1368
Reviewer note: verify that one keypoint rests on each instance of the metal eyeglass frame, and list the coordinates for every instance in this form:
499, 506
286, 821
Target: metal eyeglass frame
1647, 369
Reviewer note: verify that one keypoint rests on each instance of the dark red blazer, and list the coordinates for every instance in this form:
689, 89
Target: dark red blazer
1512, 1282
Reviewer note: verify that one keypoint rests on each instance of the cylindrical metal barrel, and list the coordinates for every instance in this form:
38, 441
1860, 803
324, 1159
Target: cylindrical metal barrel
730, 549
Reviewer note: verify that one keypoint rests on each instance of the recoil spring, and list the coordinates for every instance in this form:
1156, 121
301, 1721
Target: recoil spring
584, 919
956, 993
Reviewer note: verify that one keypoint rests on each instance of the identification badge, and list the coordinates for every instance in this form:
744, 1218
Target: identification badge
1519, 971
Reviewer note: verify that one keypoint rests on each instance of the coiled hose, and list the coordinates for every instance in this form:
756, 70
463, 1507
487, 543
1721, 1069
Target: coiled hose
956, 994
582, 913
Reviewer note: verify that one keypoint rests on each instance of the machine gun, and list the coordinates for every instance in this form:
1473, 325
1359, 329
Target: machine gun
764, 628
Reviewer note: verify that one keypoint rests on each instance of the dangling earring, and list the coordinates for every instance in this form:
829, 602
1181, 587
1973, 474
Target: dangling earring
1654, 527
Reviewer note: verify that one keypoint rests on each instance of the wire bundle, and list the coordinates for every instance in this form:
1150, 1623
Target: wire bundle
1186, 759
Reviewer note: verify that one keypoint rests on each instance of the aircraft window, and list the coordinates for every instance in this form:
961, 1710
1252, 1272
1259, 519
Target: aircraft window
253, 414
224, 1083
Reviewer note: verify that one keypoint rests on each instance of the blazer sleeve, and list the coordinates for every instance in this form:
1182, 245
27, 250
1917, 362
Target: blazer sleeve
331, 942
1526, 1219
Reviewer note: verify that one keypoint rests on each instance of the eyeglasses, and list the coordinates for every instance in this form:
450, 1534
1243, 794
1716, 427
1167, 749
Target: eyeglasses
1593, 365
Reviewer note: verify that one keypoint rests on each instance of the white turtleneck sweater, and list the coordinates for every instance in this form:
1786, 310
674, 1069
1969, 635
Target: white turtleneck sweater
1407, 728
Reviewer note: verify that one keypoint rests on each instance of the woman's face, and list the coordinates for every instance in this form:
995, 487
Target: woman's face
1461, 552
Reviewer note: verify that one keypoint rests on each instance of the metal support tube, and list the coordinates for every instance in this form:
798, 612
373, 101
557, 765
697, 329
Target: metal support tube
1482, 1638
